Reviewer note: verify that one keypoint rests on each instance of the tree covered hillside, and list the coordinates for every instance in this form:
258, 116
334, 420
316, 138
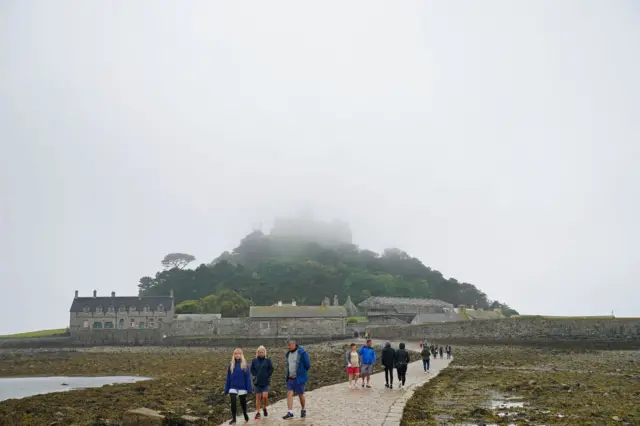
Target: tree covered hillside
264, 269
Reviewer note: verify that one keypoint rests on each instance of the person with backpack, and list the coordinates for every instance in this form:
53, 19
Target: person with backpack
449, 350
426, 355
261, 370
402, 363
388, 360
441, 352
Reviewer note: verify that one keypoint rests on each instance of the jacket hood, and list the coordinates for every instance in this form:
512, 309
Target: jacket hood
401, 345
387, 345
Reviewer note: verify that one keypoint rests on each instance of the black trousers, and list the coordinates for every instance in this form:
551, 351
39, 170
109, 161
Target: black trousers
234, 407
388, 375
402, 374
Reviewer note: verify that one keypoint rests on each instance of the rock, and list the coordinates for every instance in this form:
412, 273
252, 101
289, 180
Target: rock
616, 418
193, 420
59, 414
65, 384
142, 417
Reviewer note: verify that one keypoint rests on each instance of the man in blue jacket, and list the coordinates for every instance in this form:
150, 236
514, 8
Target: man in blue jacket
296, 367
368, 356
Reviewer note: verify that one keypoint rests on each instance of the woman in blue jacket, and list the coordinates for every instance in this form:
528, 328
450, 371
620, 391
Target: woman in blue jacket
238, 384
261, 370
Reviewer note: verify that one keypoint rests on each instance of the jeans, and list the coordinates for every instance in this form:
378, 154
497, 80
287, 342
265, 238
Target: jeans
425, 364
388, 375
402, 374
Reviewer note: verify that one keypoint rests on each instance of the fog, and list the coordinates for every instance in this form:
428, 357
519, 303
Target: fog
497, 141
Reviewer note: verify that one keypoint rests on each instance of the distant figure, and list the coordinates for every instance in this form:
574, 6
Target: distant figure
366, 334
388, 361
238, 384
449, 350
261, 370
441, 352
356, 334
421, 344
434, 351
402, 363
426, 355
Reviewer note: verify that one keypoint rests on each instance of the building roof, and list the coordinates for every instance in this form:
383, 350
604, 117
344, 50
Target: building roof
375, 301
297, 312
128, 301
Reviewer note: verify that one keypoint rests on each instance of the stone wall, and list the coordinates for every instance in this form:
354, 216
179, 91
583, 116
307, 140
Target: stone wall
249, 327
115, 337
576, 332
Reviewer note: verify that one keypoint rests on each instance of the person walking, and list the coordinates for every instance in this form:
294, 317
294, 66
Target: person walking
426, 355
449, 350
352, 358
368, 355
238, 384
402, 363
441, 352
296, 374
388, 360
261, 370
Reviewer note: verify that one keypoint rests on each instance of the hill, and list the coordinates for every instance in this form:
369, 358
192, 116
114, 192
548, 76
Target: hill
282, 266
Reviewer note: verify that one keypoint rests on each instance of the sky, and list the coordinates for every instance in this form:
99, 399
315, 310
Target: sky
497, 141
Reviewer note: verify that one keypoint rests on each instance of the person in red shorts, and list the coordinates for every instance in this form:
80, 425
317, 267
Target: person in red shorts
353, 366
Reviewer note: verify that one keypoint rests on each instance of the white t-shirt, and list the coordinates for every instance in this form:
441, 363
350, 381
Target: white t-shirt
239, 392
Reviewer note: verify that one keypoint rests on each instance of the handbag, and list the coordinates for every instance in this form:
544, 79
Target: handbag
255, 379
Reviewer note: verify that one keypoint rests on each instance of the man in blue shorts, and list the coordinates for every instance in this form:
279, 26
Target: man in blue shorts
296, 374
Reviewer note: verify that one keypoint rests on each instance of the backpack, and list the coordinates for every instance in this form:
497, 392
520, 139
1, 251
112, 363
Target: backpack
401, 360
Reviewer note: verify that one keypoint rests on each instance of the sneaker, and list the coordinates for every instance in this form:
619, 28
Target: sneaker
257, 416
390, 386
265, 412
246, 417
288, 416
303, 413
386, 385
232, 422
368, 386
362, 384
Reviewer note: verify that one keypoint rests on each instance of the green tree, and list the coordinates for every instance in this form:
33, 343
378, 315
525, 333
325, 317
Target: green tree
188, 307
177, 260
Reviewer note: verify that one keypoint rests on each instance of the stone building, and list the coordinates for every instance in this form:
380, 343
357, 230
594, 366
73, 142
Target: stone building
121, 312
298, 321
400, 310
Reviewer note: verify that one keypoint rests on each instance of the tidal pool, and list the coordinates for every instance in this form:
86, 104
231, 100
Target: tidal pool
20, 387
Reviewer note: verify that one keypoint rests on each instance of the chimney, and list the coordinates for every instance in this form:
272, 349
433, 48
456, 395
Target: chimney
293, 302
95, 293
280, 303
113, 294
171, 293
76, 294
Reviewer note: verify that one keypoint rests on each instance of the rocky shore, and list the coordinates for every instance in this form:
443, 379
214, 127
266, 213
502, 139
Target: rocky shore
523, 385
186, 381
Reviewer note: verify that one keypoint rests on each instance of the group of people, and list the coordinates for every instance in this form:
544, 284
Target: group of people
243, 379
433, 350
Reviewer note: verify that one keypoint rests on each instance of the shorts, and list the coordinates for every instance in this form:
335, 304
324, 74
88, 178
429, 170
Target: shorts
298, 388
366, 369
261, 389
353, 370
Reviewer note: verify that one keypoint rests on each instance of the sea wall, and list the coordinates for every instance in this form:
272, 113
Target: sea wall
618, 332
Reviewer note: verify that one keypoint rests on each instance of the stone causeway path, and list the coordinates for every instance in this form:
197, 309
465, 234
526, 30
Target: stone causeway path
337, 405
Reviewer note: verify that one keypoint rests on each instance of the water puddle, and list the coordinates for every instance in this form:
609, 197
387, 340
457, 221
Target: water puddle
21, 387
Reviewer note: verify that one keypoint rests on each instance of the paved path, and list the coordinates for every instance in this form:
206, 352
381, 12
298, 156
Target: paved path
337, 405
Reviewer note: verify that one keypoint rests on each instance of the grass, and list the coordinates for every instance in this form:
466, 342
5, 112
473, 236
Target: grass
544, 386
355, 320
40, 333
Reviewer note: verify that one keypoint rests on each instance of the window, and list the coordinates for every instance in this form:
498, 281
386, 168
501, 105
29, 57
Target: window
111, 309
160, 308
133, 324
146, 308
108, 324
122, 308
264, 325
85, 324
141, 325
121, 323
98, 309
85, 308
152, 324
97, 324
132, 308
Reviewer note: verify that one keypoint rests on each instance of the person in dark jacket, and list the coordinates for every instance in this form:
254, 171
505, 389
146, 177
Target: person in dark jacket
441, 352
402, 363
426, 355
238, 384
388, 361
297, 365
261, 370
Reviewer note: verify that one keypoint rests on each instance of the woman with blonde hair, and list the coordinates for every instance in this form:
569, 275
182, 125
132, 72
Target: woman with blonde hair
238, 384
261, 370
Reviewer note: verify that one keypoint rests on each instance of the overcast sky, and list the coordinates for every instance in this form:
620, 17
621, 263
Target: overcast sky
498, 141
